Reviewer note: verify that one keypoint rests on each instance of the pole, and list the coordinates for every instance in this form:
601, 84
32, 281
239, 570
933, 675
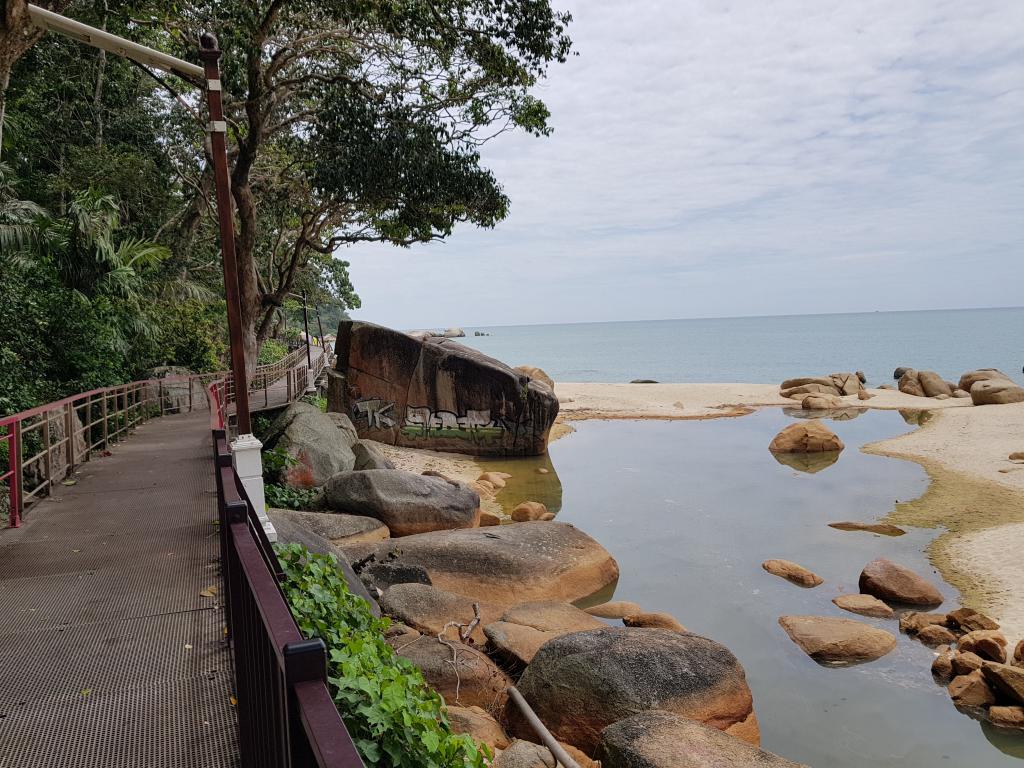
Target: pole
305, 324
320, 326
210, 55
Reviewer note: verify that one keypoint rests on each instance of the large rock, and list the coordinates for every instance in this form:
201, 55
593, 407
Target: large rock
617, 609
987, 643
537, 374
821, 402
831, 639
659, 739
894, 583
793, 572
971, 690
319, 443
436, 393
910, 384
524, 628
475, 722
339, 529
1006, 681
996, 392
933, 384
507, 564
864, 605
833, 384
580, 683
429, 609
368, 457
406, 502
970, 620
806, 437
969, 379
525, 754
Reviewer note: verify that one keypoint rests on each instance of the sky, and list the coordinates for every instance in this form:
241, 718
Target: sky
756, 157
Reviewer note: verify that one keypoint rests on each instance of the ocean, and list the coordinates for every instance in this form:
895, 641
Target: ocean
762, 350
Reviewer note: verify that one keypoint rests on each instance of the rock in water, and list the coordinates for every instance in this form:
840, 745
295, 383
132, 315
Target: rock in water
986, 643
618, 609
406, 502
578, 684
865, 605
658, 619
508, 564
320, 445
529, 510
536, 374
829, 639
969, 620
792, 572
971, 690
996, 392
453, 333
1007, 681
806, 437
885, 529
1007, 717
821, 402
969, 379
891, 582
660, 739
436, 393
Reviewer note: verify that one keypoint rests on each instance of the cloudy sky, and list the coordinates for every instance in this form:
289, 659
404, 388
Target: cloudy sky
715, 159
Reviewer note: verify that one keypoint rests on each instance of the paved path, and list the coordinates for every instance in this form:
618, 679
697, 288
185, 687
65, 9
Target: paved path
109, 654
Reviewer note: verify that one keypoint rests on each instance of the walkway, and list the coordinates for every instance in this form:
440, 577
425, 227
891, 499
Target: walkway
110, 655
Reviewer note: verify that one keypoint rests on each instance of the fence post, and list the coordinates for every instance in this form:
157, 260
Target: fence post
14, 516
106, 427
69, 450
304, 660
48, 459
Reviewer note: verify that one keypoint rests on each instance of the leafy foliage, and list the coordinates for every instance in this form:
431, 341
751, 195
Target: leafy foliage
272, 351
286, 497
394, 717
275, 461
318, 400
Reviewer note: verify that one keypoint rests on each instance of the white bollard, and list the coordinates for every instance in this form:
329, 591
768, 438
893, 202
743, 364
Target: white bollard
246, 457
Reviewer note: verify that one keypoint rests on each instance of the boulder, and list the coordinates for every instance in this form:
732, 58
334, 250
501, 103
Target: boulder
813, 388
660, 739
436, 393
523, 629
910, 384
821, 402
1006, 681
547, 516
489, 518
616, 609
1016, 456
792, 572
656, 619
966, 662
970, 378
406, 502
1006, 717
338, 529
529, 510
462, 675
898, 373
933, 384
1018, 654
508, 564
525, 754
986, 643
861, 377
429, 609
970, 620
942, 666
580, 683
368, 457
885, 529
971, 690
806, 437
831, 639
495, 479
864, 395
847, 383
378, 577
453, 333
536, 374
824, 384
961, 393
475, 722
314, 440
935, 634
914, 621
891, 582
996, 393
865, 605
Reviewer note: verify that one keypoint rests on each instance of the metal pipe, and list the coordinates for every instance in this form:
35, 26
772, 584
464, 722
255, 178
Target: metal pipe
556, 749
305, 325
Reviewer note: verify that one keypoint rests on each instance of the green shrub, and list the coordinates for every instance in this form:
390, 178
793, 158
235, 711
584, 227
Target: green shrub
394, 717
317, 400
272, 351
286, 497
275, 461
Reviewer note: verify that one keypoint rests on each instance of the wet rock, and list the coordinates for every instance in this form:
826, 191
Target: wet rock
970, 378
914, 622
659, 739
810, 463
996, 393
942, 666
475, 722
536, 374
436, 393
970, 620
508, 564
891, 582
1006, 717
966, 662
806, 437
524, 628
865, 605
406, 502
934, 635
495, 479
313, 439
464, 678
615, 609
368, 457
986, 643
830, 639
428, 609
821, 402
643, 381
792, 572
657, 619
525, 754
580, 683
528, 511
971, 690
1006, 681
339, 529
884, 529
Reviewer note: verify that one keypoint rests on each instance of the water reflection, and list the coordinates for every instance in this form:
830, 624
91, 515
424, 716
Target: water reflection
810, 463
835, 414
916, 418
533, 478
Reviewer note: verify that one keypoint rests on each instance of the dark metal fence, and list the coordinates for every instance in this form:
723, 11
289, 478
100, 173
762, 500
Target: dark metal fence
286, 716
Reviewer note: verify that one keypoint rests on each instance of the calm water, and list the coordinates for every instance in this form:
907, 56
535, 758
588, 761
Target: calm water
765, 349
691, 509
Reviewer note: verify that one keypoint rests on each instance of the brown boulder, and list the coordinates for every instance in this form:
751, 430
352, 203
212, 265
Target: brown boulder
494, 479
821, 402
1006, 681
806, 437
1018, 654
969, 620
812, 388
891, 582
475, 722
986, 643
792, 572
971, 690
489, 518
935, 635
339, 529
659, 739
525, 754
914, 622
830, 639
942, 666
970, 378
865, 605
960, 393
529, 511
909, 384
578, 684
616, 609
523, 629
437, 393
996, 393
847, 383
510, 564
536, 374
933, 384
966, 662
1006, 717
864, 395
884, 529
657, 619
428, 609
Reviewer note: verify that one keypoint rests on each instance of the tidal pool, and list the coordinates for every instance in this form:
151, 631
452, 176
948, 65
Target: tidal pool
690, 509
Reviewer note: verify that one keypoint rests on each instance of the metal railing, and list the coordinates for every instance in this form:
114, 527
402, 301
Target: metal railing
286, 716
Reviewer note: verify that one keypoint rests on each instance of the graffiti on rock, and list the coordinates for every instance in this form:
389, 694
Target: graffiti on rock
421, 421
375, 411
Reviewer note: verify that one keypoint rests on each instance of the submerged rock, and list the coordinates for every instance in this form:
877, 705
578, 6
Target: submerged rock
578, 684
884, 529
792, 572
655, 619
806, 437
528, 511
864, 605
660, 739
436, 393
892, 582
830, 639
